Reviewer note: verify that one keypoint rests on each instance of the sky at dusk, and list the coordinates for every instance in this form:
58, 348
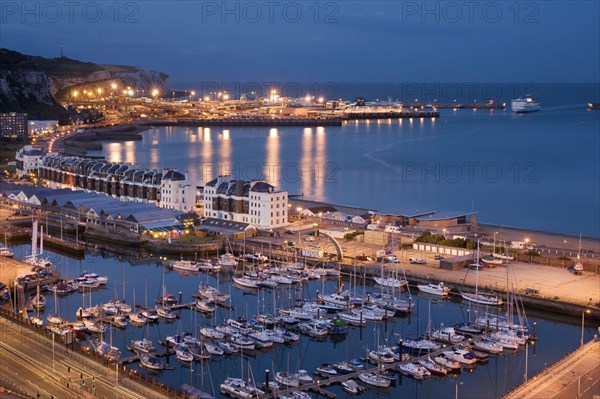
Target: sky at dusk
343, 41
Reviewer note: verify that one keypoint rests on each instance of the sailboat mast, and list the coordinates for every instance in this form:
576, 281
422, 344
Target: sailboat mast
477, 272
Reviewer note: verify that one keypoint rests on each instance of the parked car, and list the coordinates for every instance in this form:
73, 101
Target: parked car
309, 238
438, 257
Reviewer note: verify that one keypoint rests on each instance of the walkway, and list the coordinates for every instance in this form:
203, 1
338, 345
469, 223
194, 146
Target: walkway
575, 376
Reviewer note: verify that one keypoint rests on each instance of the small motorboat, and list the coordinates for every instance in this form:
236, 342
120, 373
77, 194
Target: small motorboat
165, 313
206, 306
120, 321
447, 363
137, 319
213, 349
413, 370
356, 364
287, 379
374, 380
143, 346
352, 387
184, 355
343, 367
434, 289
228, 349
212, 333
38, 301
326, 369
198, 352
150, 314
78, 328
433, 367
487, 345
54, 319
461, 356
151, 363
238, 388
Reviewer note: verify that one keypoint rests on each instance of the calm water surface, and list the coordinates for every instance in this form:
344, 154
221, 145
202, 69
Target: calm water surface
538, 171
557, 335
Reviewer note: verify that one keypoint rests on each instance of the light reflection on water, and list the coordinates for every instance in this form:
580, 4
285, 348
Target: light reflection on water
557, 335
368, 164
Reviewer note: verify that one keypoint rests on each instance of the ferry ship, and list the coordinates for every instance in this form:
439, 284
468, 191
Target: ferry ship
523, 105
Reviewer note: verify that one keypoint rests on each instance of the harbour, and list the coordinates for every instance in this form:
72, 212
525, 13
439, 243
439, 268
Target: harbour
245, 302
337, 200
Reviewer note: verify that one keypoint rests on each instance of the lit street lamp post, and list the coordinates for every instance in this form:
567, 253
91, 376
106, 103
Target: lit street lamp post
582, 324
456, 390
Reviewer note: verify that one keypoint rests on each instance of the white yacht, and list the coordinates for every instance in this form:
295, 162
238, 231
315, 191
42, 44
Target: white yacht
152, 363
484, 299
245, 282
413, 370
228, 260
374, 380
434, 289
523, 105
390, 282
4, 251
447, 334
185, 265
144, 346
238, 388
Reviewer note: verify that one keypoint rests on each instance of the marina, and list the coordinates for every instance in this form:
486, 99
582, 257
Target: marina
351, 345
210, 200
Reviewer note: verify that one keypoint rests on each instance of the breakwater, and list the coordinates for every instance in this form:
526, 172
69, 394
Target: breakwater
251, 122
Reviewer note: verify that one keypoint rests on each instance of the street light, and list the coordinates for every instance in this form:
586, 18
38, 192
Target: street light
456, 391
582, 323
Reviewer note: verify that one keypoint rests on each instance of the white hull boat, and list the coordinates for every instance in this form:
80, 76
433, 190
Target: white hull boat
434, 289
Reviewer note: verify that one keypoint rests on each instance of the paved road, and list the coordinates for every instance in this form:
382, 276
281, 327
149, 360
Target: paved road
29, 363
575, 376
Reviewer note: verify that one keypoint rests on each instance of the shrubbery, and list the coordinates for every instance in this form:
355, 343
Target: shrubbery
439, 239
351, 236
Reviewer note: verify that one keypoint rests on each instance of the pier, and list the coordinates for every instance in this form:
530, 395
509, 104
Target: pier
393, 115
270, 122
577, 375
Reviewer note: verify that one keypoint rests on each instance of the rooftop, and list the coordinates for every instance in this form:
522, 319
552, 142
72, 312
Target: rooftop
224, 226
444, 215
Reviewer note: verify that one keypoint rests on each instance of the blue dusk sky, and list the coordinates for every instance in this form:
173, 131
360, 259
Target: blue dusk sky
344, 41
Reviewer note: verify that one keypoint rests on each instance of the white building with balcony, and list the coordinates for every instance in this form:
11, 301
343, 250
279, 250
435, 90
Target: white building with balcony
28, 159
255, 202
